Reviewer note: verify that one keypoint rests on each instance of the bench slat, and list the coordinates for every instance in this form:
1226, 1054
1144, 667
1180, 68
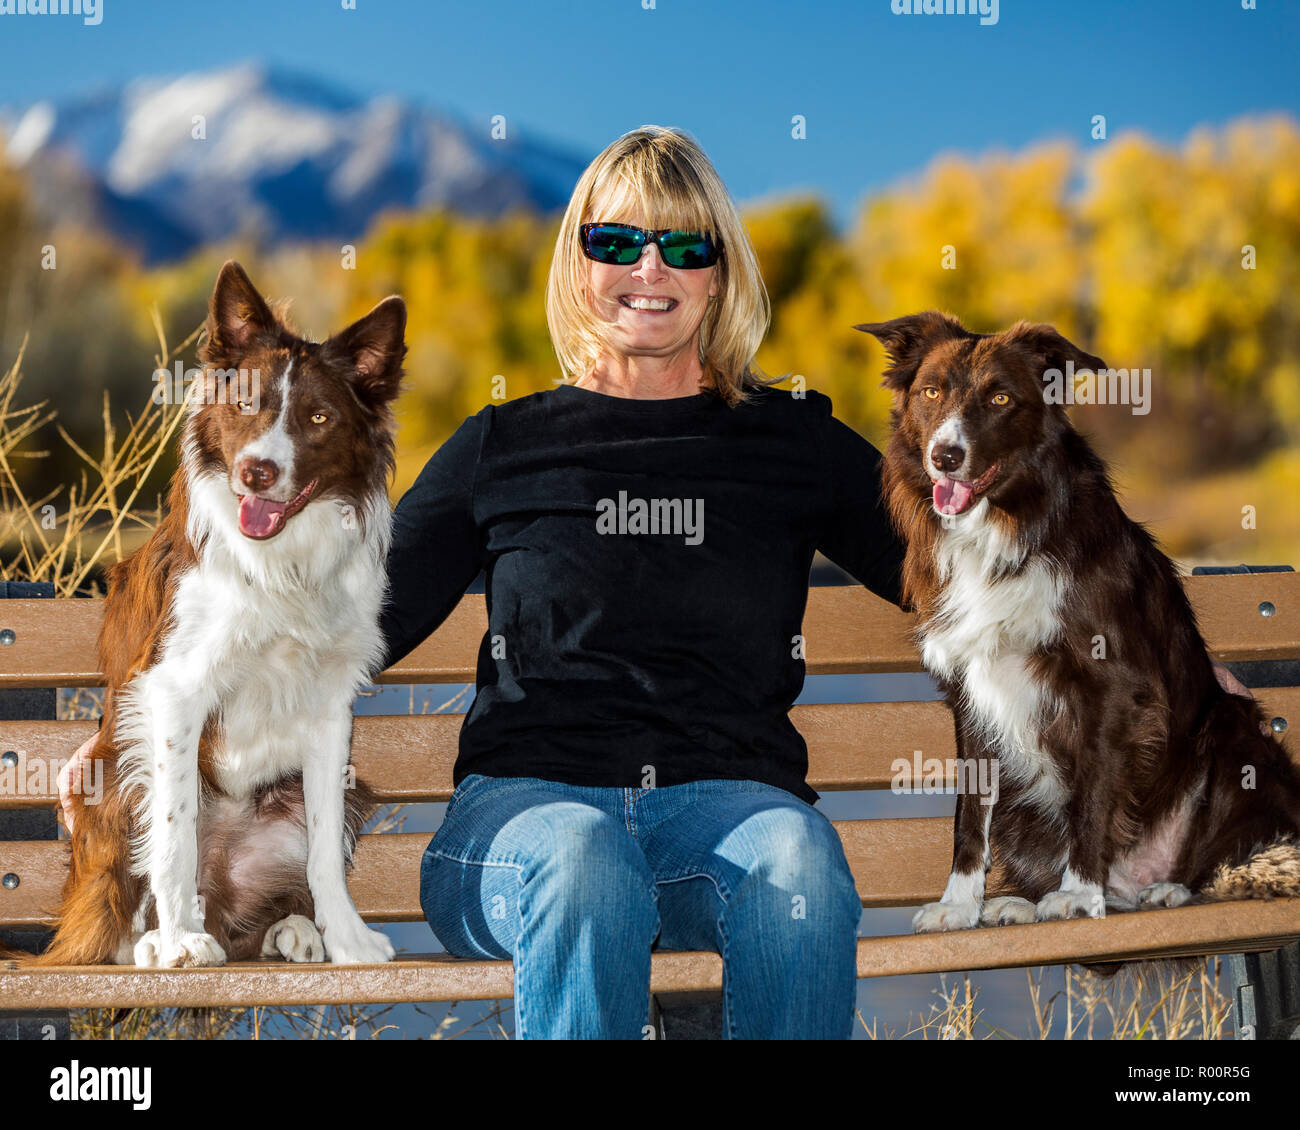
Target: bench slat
1185, 931
409, 758
847, 629
894, 862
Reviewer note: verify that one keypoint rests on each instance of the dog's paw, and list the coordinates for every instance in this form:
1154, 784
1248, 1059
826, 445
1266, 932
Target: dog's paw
295, 939
147, 949
1007, 911
184, 951
358, 945
1163, 894
1071, 904
938, 917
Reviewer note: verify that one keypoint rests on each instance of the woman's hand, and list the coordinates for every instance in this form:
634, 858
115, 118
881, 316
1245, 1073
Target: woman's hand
1230, 683
71, 780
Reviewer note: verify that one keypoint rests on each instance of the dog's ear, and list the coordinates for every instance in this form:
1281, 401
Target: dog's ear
1050, 348
236, 314
907, 341
373, 348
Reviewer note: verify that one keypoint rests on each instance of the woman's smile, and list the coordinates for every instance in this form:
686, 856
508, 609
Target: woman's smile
648, 303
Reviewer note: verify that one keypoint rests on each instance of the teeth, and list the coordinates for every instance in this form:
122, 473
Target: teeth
647, 303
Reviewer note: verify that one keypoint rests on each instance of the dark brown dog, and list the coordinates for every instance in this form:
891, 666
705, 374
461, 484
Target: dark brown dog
1068, 651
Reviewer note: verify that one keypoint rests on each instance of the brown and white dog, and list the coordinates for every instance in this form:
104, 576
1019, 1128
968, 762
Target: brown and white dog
1129, 780
232, 646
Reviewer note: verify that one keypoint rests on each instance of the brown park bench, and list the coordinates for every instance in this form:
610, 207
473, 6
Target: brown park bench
1251, 619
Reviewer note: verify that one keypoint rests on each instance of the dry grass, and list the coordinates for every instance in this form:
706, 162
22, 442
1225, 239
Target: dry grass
62, 538
1147, 1000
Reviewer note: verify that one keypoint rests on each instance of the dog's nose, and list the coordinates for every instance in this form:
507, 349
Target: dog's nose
258, 474
947, 457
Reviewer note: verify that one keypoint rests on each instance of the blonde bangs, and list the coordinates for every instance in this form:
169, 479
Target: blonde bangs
663, 177
656, 191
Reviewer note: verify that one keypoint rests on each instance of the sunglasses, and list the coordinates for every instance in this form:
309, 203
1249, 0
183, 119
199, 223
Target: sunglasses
622, 244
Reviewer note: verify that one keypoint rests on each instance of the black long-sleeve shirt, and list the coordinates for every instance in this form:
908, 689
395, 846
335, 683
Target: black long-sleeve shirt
647, 571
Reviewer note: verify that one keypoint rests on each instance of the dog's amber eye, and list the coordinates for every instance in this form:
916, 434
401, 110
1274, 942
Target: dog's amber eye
1001, 398
318, 417
930, 392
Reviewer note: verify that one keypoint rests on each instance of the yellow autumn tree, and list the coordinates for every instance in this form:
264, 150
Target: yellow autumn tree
1194, 257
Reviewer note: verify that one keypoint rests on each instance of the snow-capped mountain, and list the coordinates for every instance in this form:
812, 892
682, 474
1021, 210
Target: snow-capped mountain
168, 164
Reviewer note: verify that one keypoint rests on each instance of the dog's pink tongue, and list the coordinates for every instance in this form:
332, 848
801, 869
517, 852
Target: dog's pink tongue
951, 496
258, 517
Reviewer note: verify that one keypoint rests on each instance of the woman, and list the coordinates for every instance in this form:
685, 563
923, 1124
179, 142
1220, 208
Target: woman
628, 773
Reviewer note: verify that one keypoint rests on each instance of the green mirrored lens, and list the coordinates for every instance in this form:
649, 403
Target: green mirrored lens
612, 243
686, 249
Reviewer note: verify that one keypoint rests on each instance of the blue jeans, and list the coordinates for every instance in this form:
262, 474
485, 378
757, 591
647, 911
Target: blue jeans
577, 883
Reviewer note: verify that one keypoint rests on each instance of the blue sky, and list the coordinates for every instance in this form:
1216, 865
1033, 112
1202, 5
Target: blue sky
881, 93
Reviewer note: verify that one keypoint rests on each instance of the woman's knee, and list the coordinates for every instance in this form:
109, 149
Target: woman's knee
585, 862
559, 863
472, 909
796, 859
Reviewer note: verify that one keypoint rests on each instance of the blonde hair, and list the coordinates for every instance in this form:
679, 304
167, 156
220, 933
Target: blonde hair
663, 175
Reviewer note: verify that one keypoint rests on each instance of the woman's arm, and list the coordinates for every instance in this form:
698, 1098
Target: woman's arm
859, 537
436, 551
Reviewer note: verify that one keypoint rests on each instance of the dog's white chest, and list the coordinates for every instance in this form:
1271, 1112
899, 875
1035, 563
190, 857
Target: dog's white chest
283, 639
990, 620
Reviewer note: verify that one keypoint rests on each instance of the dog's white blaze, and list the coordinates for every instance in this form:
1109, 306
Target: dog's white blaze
949, 432
271, 633
275, 444
981, 638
